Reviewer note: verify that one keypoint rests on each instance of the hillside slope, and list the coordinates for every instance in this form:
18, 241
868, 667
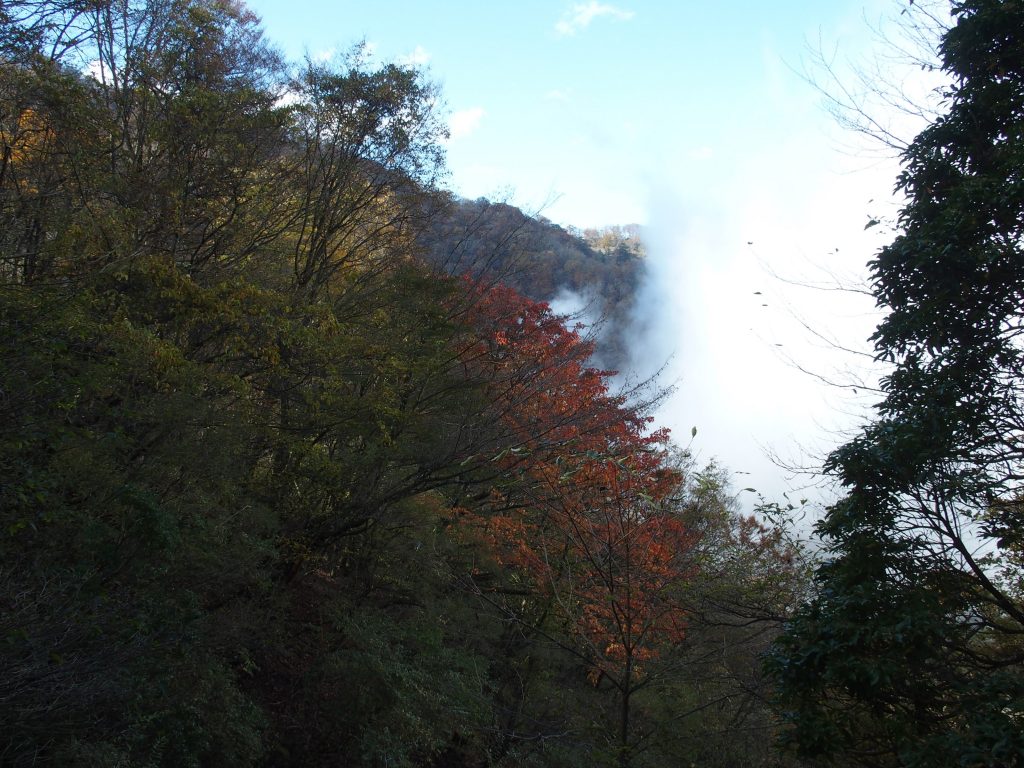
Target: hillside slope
594, 273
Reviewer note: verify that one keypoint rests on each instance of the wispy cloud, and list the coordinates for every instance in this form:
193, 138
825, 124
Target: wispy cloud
464, 122
418, 58
581, 14
325, 55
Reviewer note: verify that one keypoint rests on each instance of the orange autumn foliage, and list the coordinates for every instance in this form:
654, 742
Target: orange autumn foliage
589, 520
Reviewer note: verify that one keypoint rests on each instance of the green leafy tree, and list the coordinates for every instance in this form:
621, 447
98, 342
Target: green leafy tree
368, 156
150, 127
911, 652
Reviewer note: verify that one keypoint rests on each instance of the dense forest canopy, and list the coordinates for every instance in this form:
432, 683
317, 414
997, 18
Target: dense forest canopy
292, 474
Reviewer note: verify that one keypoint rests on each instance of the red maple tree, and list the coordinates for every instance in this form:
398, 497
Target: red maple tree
589, 519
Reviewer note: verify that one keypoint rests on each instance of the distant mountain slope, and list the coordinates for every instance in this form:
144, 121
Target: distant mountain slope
595, 273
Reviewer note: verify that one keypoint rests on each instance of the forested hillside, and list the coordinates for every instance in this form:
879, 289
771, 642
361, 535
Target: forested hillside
289, 479
299, 468
601, 269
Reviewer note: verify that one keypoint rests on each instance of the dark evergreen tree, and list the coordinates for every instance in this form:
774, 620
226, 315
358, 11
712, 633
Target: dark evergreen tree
912, 653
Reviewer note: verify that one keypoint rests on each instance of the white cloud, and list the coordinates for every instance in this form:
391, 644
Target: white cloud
583, 13
325, 55
418, 58
464, 122
557, 95
288, 98
94, 69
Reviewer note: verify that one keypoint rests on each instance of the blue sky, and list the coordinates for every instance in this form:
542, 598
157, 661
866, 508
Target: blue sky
580, 107
692, 118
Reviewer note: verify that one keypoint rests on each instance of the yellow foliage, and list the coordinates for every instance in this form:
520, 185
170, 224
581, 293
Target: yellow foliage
28, 142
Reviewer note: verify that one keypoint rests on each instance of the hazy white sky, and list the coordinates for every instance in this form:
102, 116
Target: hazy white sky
690, 117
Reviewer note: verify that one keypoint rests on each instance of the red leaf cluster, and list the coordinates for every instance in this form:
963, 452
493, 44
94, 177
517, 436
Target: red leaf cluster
589, 520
